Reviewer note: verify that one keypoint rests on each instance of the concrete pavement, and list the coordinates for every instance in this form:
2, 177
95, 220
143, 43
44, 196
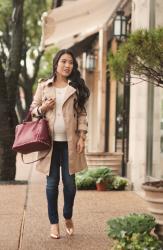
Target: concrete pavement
24, 221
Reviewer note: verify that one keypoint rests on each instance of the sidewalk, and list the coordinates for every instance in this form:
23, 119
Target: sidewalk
24, 221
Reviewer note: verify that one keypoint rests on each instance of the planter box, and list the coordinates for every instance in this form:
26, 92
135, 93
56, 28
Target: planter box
154, 198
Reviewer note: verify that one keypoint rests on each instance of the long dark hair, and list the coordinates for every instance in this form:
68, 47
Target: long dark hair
76, 81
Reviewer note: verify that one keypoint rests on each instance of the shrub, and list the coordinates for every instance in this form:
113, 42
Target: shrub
100, 172
118, 183
87, 179
132, 232
141, 55
139, 241
85, 183
126, 226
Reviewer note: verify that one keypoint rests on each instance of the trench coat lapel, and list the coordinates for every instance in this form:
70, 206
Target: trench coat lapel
69, 91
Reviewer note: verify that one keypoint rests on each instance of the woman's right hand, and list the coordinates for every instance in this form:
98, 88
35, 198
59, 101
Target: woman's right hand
47, 105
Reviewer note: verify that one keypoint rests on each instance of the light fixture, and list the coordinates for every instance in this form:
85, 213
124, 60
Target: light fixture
90, 62
120, 26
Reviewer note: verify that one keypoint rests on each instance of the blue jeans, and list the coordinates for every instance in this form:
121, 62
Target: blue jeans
60, 159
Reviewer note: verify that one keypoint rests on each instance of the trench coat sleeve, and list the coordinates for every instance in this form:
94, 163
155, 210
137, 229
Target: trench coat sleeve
82, 122
37, 101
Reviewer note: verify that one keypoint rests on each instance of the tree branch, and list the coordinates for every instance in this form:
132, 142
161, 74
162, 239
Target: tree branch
36, 65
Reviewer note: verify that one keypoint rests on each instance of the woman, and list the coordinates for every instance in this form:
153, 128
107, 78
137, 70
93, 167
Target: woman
62, 99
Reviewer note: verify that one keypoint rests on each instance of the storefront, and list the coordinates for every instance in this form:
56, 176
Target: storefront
87, 30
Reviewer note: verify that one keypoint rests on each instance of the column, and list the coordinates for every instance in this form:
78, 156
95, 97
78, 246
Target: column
112, 113
101, 90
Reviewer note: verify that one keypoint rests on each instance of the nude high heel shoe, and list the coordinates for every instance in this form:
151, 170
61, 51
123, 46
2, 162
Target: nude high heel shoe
69, 227
54, 231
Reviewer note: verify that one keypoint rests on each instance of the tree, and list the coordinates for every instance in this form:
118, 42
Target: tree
30, 44
9, 82
142, 56
19, 43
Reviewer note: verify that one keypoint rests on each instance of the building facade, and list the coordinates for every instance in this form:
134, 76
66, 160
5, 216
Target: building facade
145, 141
125, 123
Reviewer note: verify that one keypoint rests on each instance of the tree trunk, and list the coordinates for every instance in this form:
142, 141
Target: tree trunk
28, 94
7, 156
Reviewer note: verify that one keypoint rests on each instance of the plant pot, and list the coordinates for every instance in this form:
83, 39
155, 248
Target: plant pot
154, 198
101, 186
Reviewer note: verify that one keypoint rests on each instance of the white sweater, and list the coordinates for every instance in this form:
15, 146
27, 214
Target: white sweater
59, 124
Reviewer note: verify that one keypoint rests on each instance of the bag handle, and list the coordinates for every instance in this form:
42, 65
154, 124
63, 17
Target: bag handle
41, 158
29, 116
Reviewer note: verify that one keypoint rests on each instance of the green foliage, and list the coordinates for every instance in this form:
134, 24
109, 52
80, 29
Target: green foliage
32, 29
100, 172
33, 10
46, 63
32, 20
132, 232
139, 241
142, 55
102, 180
123, 227
87, 179
5, 14
118, 183
32, 17
85, 183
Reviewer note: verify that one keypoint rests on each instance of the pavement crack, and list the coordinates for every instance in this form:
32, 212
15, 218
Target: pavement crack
24, 211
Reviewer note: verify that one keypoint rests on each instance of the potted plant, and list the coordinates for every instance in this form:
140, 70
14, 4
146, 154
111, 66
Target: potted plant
154, 197
104, 179
87, 179
101, 172
101, 184
133, 232
141, 57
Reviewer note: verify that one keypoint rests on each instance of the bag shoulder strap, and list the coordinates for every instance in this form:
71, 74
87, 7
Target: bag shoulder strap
41, 158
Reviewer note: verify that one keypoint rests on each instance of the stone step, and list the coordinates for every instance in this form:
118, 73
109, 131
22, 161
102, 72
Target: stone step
111, 160
103, 163
104, 154
96, 157
115, 169
104, 159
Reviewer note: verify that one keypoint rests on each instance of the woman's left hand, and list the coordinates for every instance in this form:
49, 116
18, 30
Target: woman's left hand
80, 145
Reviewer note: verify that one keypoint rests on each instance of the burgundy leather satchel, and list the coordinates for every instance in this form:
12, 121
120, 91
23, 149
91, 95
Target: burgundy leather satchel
32, 136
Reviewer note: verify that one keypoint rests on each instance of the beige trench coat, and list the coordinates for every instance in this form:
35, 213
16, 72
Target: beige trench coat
74, 124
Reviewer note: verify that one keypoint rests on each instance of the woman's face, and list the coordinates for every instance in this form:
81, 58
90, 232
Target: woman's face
65, 65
